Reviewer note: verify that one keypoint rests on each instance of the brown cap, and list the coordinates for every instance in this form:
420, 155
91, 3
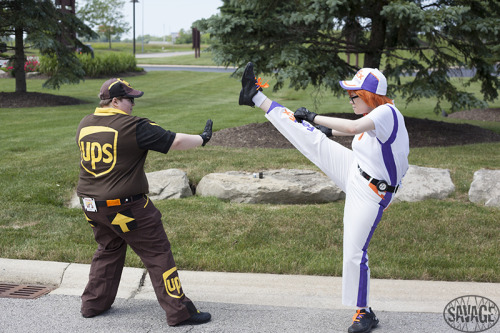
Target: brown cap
118, 88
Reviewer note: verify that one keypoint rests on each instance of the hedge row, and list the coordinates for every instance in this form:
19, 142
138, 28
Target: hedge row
98, 66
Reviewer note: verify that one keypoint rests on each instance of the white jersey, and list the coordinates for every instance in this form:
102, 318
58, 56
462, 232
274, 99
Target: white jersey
383, 152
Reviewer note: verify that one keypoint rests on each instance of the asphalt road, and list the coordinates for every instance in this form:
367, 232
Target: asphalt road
458, 72
152, 68
60, 313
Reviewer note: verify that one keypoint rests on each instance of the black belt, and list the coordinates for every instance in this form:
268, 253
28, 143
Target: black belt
118, 202
380, 184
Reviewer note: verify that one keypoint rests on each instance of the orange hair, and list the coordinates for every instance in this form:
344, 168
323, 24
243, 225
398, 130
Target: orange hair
371, 99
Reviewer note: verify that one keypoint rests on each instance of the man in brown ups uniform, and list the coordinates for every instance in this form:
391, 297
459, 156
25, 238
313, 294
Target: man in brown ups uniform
113, 187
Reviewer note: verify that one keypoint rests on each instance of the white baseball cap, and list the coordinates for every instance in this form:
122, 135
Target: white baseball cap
369, 79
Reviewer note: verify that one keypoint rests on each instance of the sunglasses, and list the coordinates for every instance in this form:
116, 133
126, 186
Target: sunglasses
352, 98
131, 99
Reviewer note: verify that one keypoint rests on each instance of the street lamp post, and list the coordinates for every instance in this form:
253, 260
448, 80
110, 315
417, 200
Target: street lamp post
134, 1
143, 26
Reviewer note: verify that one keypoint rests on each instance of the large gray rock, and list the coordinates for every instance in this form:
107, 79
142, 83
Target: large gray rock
485, 187
74, 202
421, 183
168, 184
284, 186
165, 184
30, 75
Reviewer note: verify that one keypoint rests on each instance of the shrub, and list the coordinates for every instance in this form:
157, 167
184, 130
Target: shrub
100, 65
31, 65
48, 65
9, 70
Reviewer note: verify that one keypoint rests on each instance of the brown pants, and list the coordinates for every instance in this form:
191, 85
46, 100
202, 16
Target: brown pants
139, 225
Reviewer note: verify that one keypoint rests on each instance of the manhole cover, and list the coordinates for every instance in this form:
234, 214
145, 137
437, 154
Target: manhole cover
8, 290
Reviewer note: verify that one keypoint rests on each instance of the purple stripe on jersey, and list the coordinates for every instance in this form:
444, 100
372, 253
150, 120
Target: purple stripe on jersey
363, 267
389, 163
387, 154
274, 105
392, 138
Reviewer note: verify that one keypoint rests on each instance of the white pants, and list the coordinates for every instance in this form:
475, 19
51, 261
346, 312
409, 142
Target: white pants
363, 206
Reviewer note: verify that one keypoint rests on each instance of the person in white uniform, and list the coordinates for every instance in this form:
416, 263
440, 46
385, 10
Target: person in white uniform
369, 174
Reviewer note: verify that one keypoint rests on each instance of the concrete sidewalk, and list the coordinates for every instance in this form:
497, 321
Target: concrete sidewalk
254, 289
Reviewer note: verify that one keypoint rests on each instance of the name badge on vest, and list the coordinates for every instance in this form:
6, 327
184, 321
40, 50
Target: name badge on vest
89, 205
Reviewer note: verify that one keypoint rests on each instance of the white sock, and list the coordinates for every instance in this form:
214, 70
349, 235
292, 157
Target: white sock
367, 310
259, 99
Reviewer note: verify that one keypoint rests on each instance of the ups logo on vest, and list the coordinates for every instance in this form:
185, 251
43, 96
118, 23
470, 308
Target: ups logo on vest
98, 149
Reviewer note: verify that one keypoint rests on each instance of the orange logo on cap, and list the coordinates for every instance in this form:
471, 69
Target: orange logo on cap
359, 75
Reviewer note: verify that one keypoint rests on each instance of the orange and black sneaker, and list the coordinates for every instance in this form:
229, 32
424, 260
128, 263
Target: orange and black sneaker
363, 322
250, 85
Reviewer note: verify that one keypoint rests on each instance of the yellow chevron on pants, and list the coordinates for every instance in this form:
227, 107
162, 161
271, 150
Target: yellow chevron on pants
122, 220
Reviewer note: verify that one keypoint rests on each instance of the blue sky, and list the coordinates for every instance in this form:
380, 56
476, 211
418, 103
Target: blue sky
166, 16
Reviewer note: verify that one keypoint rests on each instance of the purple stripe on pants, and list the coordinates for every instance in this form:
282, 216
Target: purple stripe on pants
363, 268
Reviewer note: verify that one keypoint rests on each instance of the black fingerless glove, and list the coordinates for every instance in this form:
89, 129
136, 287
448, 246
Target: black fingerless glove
207, 132
327, 131
304, 114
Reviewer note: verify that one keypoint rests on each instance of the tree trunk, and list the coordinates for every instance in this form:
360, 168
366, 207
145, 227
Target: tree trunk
373, 55
19, 61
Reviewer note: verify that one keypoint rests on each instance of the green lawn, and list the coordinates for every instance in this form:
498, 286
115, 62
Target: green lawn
450, 239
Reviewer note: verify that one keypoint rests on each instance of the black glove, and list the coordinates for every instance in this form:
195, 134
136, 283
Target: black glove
304, 114
207, 132
327, 131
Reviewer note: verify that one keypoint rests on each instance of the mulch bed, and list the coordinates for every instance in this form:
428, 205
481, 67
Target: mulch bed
422, 133
31, 99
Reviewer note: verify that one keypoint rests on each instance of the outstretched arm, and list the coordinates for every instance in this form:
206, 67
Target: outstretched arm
339, 126
187, 141
346, 126
339, 133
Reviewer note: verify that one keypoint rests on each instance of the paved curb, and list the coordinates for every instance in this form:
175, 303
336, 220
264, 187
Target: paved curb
326, 292
76, 276
302, 291
32, 271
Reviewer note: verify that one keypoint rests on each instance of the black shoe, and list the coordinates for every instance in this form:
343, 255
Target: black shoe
93, 314
363, 322
197, 317
249, 86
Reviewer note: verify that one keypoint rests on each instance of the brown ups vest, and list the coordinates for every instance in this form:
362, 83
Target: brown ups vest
113, 147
